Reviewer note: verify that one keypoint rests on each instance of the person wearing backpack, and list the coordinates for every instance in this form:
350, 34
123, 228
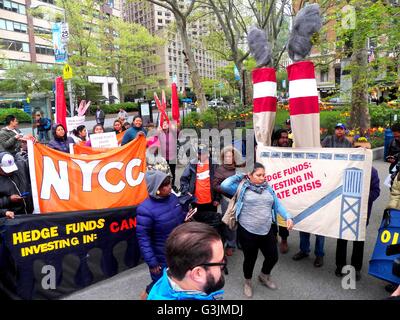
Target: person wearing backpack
43, 126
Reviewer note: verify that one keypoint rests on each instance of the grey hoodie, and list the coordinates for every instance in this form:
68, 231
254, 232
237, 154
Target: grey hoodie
153, 180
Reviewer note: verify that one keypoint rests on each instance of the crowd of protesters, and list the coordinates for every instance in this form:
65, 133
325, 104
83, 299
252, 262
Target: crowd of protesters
178, 268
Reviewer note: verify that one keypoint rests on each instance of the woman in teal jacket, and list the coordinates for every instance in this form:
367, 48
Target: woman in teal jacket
256, 209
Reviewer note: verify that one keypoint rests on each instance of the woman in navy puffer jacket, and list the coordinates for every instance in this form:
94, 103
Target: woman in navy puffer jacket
60, 141
156, 217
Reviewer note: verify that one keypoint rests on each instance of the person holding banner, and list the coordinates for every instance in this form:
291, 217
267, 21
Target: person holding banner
132, 132
358, 246
60, 141
257, 207
281, 139
117, 126
394, 147
98, 128
15, 187
338, 140
79, 134
195, 259
156, 217
394, 203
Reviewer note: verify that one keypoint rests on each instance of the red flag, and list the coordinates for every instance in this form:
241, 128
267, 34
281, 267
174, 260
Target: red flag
61, 106
175, 104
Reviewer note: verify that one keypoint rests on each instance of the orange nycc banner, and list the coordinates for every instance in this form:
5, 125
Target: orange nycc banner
82, 149
120, 136
72, 182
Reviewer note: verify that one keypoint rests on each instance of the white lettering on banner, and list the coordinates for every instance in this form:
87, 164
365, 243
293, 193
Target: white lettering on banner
87, 170
60, 180
128, 174
103, 181
54, 179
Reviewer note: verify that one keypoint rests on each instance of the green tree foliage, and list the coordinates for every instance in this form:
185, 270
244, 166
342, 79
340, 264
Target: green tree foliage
125, 48
29, 78
359, 23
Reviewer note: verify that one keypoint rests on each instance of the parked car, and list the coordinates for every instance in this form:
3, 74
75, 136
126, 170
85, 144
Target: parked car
216, 104
337, 100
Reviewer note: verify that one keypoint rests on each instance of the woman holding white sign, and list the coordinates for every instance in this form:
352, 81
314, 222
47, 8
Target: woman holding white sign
256, 209
98, 128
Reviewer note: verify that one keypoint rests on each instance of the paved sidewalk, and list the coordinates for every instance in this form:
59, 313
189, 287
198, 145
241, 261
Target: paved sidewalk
297, 280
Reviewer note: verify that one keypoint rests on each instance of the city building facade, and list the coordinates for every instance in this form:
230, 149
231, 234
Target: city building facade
22, 41
171, 65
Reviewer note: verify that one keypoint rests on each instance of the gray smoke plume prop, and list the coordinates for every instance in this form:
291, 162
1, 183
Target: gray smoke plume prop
259, 46
307, 22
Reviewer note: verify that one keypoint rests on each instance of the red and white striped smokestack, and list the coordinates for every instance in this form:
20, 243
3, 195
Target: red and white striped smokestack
264, 104
303, 104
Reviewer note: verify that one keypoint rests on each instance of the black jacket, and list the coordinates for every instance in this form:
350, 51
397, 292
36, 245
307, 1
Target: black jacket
188, 180
17, 183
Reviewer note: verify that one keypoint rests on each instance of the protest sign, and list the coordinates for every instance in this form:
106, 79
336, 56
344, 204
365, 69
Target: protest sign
104, 140
325, 190
47, 256
65, 182
74, 122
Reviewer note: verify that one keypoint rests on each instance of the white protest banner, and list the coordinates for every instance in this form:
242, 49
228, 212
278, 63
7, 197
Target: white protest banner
325, 190
104, 140
74, 122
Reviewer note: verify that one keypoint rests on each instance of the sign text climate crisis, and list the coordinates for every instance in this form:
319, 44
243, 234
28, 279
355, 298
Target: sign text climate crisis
74, 234
294, 180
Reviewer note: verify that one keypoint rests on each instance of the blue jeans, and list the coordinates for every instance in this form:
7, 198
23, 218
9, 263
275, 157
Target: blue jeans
305, 244
43, 136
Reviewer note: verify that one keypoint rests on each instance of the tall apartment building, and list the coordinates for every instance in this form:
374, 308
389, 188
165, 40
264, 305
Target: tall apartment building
19, 42
171, 55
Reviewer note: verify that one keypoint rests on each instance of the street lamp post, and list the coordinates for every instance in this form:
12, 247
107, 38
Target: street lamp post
69, 83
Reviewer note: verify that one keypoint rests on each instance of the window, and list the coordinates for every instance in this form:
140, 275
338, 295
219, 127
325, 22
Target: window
159, 20
159, 13
324, 76
44, 50
14, 45
12, 6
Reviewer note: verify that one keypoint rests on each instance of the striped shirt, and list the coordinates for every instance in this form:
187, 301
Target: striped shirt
256, 213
